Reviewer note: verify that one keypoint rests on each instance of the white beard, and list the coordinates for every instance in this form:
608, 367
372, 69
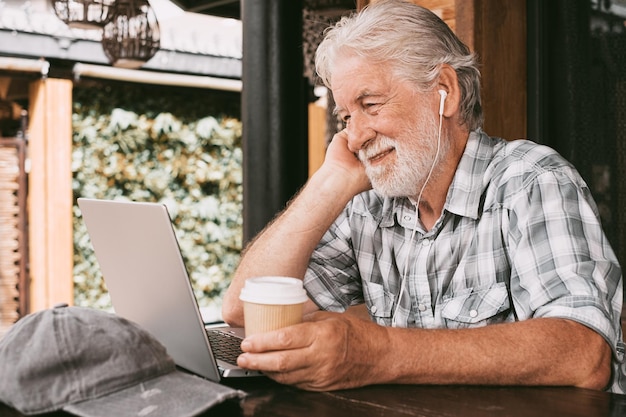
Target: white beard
415, 153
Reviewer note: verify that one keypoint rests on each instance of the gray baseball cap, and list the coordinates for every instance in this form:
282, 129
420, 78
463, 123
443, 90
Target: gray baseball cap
96, 364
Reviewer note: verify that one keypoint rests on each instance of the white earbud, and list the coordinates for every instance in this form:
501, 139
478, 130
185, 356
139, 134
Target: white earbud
443, 95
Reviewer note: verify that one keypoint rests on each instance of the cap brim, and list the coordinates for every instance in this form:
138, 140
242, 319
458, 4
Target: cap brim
174, 394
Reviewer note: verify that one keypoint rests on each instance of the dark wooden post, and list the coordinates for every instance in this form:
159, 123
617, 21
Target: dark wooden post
274, 105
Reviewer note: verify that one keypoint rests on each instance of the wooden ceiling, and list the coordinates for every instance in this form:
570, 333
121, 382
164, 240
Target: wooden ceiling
232, 8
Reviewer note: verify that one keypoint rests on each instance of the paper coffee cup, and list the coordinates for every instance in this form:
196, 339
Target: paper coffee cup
270, 303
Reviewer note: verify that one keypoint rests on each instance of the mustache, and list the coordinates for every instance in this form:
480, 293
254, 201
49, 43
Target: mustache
375, 147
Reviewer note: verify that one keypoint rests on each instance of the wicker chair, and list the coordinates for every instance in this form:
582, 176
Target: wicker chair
13, 245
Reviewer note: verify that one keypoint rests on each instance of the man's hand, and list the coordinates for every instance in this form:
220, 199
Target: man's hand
326, 352
339, 157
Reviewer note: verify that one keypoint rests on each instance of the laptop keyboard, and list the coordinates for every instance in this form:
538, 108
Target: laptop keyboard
225, 346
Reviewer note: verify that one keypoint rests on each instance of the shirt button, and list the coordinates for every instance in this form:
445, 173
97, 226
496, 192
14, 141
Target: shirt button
473, 313
421, 307
407, 218
426, 242
373, 309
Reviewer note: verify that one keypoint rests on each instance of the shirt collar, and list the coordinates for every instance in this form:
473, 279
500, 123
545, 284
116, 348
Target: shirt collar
470, 179
464, 194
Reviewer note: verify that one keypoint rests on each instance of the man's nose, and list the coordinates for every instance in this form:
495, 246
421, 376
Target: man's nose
359, 132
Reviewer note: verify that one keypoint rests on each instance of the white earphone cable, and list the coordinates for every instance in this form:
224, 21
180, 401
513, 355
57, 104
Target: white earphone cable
417, 203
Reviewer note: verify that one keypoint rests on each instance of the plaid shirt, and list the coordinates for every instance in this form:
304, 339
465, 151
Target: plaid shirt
519, 237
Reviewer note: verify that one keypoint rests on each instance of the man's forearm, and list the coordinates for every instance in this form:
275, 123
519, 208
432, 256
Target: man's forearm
532, 352
284, 247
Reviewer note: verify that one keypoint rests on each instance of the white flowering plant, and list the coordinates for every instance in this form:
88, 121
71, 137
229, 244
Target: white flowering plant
129, 147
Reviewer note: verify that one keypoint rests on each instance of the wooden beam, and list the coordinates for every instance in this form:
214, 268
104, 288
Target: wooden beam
496, 31
50, 193
5, 83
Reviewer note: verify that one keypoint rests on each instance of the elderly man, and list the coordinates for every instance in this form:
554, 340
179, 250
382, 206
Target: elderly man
480, 261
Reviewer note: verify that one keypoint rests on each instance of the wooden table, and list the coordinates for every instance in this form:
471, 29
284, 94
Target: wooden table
269, 399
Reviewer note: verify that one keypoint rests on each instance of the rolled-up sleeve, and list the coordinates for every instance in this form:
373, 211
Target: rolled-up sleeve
332, 279
562, 264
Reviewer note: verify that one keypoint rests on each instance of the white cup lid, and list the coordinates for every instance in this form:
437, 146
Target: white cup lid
273, 290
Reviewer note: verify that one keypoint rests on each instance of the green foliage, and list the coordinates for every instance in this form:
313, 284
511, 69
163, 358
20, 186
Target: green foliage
144, 145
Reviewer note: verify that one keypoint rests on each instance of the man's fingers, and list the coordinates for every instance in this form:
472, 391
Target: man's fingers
291, 337
283, 361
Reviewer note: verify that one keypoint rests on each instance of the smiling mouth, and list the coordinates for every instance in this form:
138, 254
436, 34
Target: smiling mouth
380, 155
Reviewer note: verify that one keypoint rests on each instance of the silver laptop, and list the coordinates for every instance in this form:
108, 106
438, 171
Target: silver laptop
143, 268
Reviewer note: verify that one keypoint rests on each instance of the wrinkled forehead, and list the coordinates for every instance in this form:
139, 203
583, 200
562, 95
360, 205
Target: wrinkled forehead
356, 78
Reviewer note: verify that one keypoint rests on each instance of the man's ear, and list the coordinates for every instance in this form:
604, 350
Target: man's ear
448, 82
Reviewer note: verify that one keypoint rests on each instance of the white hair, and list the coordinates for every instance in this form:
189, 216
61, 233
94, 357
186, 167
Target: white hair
414, 41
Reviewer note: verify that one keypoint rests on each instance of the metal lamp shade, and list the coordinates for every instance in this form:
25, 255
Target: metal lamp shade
84, 14
132, 36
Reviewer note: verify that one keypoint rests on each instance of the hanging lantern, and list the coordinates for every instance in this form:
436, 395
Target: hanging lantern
84, 14
132, 36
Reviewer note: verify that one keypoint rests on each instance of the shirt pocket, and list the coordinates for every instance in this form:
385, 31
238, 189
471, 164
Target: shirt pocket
475, 307
379, 302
